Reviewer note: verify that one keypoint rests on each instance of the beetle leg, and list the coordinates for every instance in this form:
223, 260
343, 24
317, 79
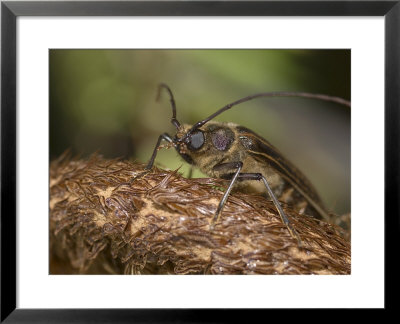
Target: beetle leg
190, 172
285, 220
221, 167
165, 137
250, 176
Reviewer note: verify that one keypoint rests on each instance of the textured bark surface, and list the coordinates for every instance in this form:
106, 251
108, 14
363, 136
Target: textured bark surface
110, 216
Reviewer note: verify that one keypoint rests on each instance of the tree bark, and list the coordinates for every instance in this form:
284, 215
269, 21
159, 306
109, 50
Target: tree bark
111, 216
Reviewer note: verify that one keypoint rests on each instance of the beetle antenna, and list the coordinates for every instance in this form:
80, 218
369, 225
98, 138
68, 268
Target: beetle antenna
174, 121
337, 100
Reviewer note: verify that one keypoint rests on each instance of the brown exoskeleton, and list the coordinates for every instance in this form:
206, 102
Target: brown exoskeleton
235, 153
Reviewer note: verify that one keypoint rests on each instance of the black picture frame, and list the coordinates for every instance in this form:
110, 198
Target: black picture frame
11, 10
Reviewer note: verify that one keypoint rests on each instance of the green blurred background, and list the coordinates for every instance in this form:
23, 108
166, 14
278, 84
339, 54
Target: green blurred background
104, 101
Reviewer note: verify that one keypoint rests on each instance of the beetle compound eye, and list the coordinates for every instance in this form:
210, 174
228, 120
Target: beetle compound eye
196, 141
222, 139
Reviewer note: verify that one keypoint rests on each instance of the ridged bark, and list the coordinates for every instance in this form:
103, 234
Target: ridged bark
110, 216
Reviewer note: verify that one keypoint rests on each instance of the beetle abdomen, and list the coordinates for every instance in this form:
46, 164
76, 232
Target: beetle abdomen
267, 155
